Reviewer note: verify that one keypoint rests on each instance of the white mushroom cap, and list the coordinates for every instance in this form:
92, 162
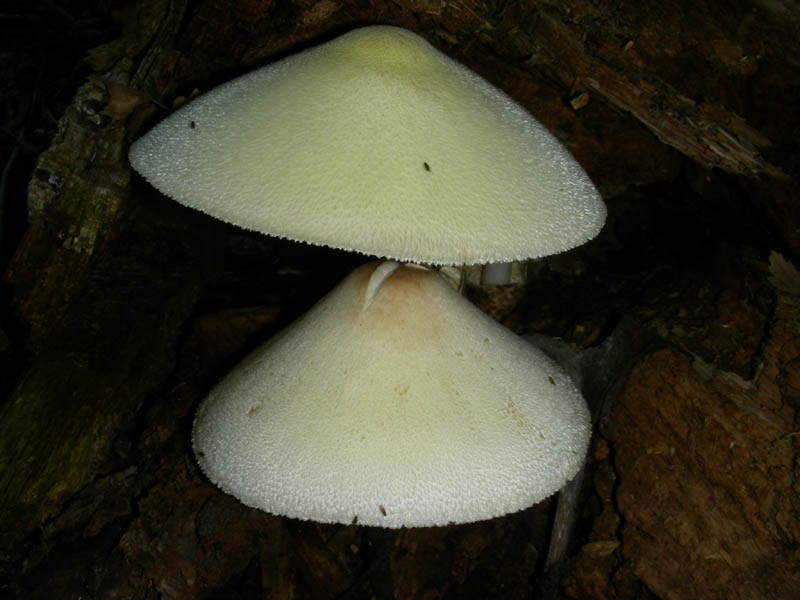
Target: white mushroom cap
375, 142
396, 401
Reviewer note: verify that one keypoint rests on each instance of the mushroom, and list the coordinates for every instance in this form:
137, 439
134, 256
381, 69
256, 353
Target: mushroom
378, 143
393, 400
397, 402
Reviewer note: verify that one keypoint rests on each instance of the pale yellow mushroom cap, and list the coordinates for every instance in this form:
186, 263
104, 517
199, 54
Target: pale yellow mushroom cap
375, 142
396, 401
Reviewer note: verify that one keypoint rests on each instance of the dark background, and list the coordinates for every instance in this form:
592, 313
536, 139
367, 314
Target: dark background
119, 309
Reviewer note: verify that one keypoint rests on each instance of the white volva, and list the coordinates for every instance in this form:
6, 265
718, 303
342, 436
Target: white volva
395, 402
375, 142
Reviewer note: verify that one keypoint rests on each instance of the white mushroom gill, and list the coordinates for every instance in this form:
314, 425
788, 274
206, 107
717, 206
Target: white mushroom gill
396, 401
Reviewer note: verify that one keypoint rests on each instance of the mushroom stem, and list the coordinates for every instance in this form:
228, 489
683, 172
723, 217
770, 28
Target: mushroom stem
456, 276
379, 276
496, 273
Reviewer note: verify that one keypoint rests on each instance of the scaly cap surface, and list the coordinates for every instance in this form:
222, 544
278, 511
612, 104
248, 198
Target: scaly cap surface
396, 402
375, 142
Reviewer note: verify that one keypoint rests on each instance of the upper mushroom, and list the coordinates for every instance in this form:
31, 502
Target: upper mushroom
375, 142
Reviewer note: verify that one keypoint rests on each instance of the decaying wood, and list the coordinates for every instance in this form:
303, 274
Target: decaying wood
707, 132
706, 492
133, 307
94, 373
79, 388
79, 190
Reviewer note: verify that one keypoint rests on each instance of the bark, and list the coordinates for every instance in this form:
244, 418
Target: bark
703, 495
127, 308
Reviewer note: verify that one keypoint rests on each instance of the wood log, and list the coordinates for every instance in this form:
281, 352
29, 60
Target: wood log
704, 464
132, 307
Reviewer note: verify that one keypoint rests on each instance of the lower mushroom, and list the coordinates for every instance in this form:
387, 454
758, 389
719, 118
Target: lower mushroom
396, 402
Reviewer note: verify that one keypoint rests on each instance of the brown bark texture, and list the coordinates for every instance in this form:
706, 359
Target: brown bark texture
699, 477
120, 309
